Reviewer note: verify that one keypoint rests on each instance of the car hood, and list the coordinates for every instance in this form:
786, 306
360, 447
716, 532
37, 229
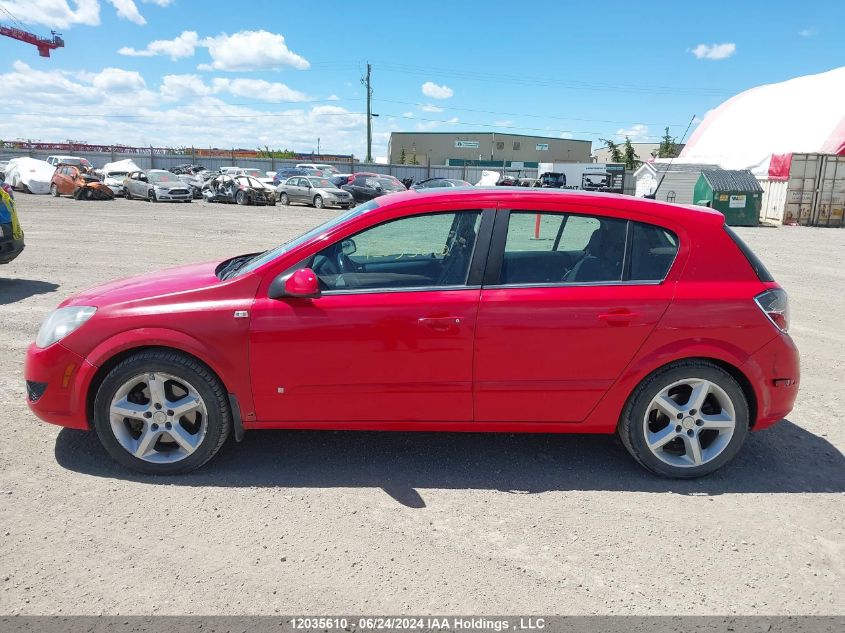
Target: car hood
169, 185
332, 190
149, 286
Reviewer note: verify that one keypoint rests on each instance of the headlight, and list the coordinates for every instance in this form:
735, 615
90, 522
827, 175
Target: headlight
61, 323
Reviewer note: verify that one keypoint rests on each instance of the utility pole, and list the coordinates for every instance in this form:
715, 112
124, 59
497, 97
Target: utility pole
369, 87
318, 146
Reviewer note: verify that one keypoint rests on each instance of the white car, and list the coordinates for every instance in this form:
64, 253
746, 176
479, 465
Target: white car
319, 166
68, 160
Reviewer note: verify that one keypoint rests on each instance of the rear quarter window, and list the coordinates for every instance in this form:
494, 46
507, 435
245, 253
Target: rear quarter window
653, 250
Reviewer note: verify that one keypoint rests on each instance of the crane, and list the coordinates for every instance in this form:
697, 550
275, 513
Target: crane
19, 32
44, 44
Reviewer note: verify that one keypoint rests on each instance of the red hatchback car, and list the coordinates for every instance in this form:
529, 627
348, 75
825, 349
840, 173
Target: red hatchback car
455, 310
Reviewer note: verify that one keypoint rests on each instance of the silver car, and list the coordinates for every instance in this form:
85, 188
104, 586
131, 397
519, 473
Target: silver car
319, 192
156, 185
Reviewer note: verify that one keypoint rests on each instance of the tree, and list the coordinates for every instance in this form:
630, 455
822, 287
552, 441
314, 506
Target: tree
414, 160
402, 157
613, 148
668, 148
629, 156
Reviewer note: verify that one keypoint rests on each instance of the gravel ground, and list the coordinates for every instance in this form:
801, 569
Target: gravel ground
315, 523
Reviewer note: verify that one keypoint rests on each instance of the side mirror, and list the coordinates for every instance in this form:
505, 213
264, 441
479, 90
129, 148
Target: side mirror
302, 283
348, 247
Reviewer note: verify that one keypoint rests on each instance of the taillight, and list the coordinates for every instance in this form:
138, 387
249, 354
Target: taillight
775, 305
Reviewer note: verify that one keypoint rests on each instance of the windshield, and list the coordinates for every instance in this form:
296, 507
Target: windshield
270, 255
161, 176
250, 182
321, 183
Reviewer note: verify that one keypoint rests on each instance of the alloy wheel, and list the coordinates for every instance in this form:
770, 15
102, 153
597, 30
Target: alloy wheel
158, 417
284, 199
689, 423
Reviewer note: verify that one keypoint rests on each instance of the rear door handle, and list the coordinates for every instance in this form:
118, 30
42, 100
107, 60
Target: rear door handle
440, 324
619, 317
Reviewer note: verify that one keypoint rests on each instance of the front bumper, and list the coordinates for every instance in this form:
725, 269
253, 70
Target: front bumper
9, 247
57, 384
174, 197
774, 371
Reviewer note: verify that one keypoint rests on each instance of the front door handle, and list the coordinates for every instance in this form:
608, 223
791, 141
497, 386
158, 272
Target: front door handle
440, 324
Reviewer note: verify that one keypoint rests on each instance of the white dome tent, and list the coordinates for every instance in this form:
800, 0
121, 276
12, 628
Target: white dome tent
761, 128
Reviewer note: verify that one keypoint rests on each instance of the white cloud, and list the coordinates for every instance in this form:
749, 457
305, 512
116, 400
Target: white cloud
176, 87
430, 108
807, 32
637, 133
128, 10
506, 123
205, 67
259, 89
566, 135
161, 3
118, 80
432, 90
45, 105
56, 14
252, 50
333, 98
183, 45
408, 115
714, 51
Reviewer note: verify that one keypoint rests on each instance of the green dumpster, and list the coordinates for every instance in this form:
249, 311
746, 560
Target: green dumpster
735, 193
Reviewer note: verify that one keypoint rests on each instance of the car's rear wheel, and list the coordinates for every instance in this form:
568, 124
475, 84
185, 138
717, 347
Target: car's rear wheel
685, 420
318, 202
54, 190
161, 412
284, 199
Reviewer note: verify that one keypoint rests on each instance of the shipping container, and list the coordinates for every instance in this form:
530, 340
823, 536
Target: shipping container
813, 195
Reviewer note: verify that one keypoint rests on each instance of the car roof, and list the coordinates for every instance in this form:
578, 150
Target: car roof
522, 195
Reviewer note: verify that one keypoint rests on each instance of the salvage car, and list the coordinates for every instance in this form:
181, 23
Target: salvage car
434, 183
239, 190
156, 185
364, 187
318, 192
70, 180
326, 169
11, 233
438, 311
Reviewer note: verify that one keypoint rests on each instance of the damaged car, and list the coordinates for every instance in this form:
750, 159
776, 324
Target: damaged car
318, 192
239, 190
156, 185
72, 180
11, 234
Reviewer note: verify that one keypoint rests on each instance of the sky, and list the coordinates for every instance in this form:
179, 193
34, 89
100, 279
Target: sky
287, 75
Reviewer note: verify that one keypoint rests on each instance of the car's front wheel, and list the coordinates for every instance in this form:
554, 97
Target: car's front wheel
241, 198
284, 200
152, 196
161, 412
685, 420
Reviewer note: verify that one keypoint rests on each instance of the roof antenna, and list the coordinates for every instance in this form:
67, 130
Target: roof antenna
653, 194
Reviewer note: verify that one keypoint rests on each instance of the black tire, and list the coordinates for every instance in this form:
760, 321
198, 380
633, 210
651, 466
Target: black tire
209, 387
152, 196
631, 428
54, 190
318, 202
284, 200
126, 194
241, 198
